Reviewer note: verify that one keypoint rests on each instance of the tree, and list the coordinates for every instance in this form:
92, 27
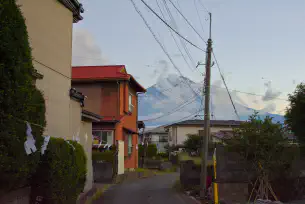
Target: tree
20, 101
192, 143
262, 144
151, 151
295, 113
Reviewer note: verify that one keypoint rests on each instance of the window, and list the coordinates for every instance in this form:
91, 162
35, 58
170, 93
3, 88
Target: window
129, 144
104, 136
130, 106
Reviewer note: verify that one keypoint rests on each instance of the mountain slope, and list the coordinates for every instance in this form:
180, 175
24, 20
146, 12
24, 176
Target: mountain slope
172, 99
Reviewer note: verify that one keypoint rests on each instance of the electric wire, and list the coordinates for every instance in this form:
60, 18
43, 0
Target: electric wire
170, 26
160, 44
188, 22
198, 15
175, 39
224, 81
176, 27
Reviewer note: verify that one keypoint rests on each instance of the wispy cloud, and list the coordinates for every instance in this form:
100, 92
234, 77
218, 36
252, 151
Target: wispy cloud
85, 50
270, 93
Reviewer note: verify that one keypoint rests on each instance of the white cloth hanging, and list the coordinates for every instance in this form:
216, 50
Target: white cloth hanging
29, 144
45, 144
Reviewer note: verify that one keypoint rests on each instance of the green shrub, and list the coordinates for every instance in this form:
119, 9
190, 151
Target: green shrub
108, 156
61, 174
19, 100
141, 150
163, 154
151, 150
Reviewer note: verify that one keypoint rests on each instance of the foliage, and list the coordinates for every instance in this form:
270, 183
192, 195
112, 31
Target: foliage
151, 150
108, 156
295, 117
261, 141
62, 171
162, 155
141, 150
19, 100
193, 143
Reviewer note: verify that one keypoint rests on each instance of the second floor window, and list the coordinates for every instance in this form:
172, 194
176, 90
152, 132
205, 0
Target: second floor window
130, 106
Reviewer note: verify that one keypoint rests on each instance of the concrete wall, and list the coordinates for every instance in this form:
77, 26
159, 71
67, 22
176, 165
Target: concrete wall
49, 26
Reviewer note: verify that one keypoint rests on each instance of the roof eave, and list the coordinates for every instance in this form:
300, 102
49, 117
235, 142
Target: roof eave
75, 7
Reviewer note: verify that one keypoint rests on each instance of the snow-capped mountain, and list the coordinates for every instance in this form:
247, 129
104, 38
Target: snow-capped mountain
173, 98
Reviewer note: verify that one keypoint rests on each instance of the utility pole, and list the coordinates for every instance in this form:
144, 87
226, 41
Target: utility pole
203, 176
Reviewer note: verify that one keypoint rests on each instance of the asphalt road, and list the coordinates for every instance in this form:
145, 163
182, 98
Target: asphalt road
154, 190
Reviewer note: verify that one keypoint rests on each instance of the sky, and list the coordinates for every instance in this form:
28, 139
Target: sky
259, 45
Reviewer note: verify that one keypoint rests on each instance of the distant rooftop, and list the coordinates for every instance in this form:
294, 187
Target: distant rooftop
159, 129
212, 123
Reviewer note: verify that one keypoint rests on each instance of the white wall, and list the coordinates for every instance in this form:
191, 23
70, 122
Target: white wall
182, 132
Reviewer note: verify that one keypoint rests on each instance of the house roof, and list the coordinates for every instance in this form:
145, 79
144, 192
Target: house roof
104, 73
212, 123
91, 116
159, 130
75, 7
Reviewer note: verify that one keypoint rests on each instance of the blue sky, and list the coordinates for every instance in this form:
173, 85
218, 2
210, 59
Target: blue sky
256, 42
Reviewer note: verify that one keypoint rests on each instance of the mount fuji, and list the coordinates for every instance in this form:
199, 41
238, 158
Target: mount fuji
173, 99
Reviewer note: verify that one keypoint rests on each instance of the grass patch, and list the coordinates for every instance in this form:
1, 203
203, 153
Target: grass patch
98, 194
183, 156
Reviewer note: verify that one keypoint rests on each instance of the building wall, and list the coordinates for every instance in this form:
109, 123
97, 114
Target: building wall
182, 132
49, 26
93, 93
82, 129
109, 99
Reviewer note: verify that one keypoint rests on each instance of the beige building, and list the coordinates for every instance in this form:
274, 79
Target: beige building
49, 25
177, 132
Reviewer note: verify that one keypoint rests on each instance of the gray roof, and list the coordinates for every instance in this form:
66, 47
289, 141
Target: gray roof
212, 122
159, 129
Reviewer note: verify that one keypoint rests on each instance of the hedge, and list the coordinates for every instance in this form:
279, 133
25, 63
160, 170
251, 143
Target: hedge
151, 151
61, 174
108, 156
19, 100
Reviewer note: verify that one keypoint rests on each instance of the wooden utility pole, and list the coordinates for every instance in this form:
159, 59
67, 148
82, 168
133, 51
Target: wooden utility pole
205, 140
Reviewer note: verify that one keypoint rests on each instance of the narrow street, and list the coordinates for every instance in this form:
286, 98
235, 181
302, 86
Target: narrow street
158, 189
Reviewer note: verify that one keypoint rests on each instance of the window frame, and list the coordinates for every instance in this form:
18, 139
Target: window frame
101, 136
130, 105
129, 144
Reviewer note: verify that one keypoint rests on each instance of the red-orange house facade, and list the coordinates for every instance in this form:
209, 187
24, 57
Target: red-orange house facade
112, 93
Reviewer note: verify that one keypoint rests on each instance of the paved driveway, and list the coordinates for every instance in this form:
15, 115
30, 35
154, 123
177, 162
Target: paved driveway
154, 190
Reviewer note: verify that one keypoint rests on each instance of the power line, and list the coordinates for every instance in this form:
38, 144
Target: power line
198, 15
51, 68
175, 39
170, 26
181, 119
223, 79
176, 27
205, 8
176, 109
158, 41
243, 92
187, 21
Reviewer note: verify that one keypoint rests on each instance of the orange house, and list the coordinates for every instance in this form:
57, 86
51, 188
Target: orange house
112, 93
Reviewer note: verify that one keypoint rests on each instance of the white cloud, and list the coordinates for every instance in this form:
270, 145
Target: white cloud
85, 50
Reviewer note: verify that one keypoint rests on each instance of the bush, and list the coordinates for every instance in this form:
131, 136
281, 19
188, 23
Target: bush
108, 156
19, 100
141, 150
151, 150
61, 174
